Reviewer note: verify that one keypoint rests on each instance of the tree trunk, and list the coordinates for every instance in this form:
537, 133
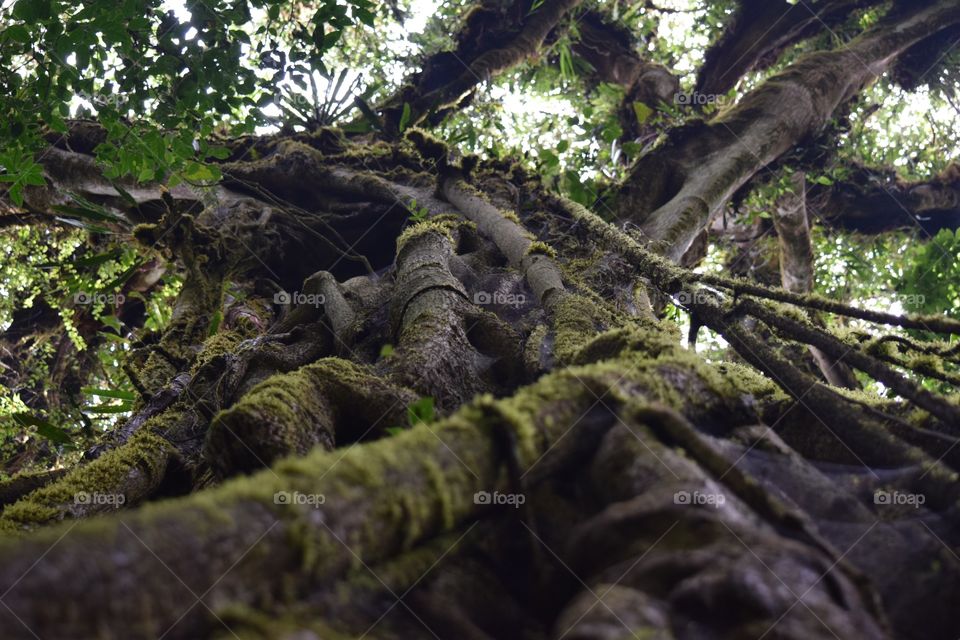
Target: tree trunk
633, 488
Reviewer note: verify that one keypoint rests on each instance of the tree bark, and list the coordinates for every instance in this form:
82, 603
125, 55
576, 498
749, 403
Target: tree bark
760, 31
796, 268
672, 192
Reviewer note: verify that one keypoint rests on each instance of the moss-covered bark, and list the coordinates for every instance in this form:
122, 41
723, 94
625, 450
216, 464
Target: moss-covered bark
378, 499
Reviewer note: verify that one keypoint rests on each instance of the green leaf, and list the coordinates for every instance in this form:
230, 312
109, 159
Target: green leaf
88, 211
117, 282
16, 33
550, 159
46, 430
81, 225
32, 10
109, 393
642, 111
567, 71
108, 408
364, 15
124, 194
421, 411
34, 178
113, 322
196, 172
215, 321
404, 117
220, 153
16, 193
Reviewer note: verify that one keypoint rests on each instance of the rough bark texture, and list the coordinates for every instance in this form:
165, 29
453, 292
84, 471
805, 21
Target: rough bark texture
642, 539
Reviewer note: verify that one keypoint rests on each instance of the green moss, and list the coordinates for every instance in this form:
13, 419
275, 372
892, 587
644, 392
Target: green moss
145, 453
30, 513
511, 216
156, 372
386, 496
281, 416
433, 225
367, 152
428, 146
291, 413
532, 350
219, 344
248, 623
667, 276
400, 573
881, 348
609, 344
437, 483
329, 140
287, 147
541, 248
406, 515
452, 219
576, 321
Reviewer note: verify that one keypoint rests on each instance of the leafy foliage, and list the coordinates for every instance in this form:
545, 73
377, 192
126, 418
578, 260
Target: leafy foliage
159, 80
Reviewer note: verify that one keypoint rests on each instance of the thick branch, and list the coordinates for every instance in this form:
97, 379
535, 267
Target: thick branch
611, 51
511, 238
377, 499
494, 38
874, 201
672, 192
796, 268
759, 31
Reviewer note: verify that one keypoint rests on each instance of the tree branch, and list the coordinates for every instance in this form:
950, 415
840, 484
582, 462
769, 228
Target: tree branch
759, 31
672, 192
493, 39
796, 268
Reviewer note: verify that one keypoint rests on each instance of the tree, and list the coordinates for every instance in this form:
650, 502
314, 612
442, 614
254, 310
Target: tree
374, 372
